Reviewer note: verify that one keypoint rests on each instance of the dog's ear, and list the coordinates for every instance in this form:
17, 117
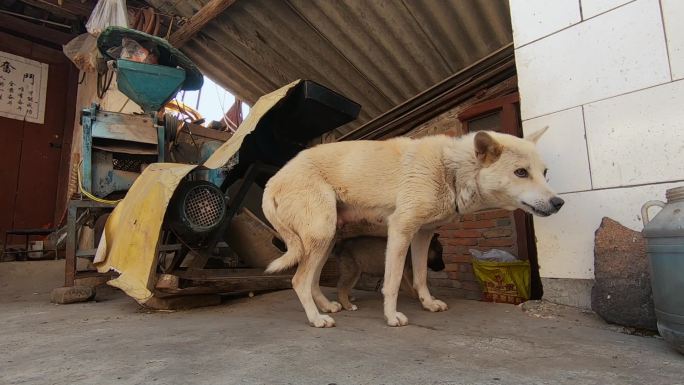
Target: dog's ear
487, 148
534, 137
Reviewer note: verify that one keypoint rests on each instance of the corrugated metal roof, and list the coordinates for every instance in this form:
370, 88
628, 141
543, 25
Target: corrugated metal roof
377, 52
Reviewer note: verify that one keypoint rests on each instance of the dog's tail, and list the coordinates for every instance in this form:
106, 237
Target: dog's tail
285, 262
292, 241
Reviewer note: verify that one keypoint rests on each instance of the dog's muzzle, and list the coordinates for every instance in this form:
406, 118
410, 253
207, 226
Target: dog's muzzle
557, 203
551, 207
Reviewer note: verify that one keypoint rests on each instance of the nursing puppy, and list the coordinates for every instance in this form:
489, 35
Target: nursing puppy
411, 186
367, 255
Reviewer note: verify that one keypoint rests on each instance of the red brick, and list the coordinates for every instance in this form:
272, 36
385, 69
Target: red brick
444, 233
451, 267
455, 249
460, 241
487, 223
470, 285
462, 277
466, 233
448, 249
465, 267
467, 217
493, 242
457, 258
493, 214
498, 232
503, 222
452, 226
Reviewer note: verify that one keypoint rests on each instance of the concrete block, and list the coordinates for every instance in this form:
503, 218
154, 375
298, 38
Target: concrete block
673, 14
534, 19
591, 8
565, 241
637, 138
72, 294
569, 292
564, 149
620, 51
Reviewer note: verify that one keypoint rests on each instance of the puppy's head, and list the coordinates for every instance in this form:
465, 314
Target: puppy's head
512, 175
435, 261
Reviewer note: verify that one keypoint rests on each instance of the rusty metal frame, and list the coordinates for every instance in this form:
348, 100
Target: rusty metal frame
71, 253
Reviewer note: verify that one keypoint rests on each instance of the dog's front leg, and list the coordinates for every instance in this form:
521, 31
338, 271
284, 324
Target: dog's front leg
398, 239
419, 255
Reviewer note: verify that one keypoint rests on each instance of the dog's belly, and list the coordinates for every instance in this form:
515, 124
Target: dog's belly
354, 221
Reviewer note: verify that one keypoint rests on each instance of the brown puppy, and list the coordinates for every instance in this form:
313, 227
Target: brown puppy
367, 255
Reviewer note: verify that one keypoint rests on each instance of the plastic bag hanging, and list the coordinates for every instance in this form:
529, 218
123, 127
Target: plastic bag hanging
82, 51
107, 13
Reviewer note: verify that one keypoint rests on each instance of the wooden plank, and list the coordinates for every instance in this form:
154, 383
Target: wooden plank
72, 9
198, 130
232, 285
91, 252
213, 274
35, 31
183, 302
198, 21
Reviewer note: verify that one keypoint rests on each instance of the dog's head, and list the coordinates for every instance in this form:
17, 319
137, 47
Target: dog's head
512, 175
435, 261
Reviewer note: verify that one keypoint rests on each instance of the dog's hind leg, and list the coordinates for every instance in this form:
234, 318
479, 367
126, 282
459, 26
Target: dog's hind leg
349, 275
326, 305
302, 285
314, 220
419, 254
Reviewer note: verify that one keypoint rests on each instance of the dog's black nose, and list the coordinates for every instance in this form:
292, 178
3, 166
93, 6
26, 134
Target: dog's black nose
557, 202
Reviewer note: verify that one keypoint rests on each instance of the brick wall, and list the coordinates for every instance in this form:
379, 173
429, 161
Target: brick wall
481, 231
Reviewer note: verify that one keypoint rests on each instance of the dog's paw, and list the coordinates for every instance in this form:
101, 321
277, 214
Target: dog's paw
322, 321
349, 306
331, 307
397, 319
434, 305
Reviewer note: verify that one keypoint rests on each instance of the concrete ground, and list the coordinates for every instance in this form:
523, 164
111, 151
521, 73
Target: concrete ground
265, 340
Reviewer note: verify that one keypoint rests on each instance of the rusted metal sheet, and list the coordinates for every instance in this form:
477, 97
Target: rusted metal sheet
379, 53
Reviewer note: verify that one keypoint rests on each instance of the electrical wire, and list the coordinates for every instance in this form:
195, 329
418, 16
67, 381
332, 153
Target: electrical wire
89, 195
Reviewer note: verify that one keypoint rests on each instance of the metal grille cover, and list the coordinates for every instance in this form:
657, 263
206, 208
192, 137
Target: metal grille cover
124, 164
204, 207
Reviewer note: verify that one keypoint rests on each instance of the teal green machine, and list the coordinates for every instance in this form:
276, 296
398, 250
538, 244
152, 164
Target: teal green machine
117, 146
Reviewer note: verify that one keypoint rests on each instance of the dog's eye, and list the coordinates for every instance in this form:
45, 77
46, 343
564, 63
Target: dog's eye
521, 172
545, 171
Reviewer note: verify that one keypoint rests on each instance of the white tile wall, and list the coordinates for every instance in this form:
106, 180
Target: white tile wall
637, 138
673, 13
565, 241
533, 19
564, 149
617, 52
591, 8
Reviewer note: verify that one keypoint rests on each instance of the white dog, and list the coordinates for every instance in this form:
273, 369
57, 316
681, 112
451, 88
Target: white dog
411, 186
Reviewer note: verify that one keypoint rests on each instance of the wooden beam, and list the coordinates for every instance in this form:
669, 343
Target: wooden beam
210, 11
72, 10
35, 31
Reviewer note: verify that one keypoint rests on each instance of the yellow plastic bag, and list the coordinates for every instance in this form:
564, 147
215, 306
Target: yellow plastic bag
507, 282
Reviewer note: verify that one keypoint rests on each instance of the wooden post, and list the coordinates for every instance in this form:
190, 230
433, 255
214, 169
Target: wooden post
198, 21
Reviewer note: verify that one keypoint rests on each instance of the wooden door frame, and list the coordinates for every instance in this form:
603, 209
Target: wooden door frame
509, 106
44, 53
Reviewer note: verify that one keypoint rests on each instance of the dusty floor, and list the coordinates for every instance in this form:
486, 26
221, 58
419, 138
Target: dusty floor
265, 340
